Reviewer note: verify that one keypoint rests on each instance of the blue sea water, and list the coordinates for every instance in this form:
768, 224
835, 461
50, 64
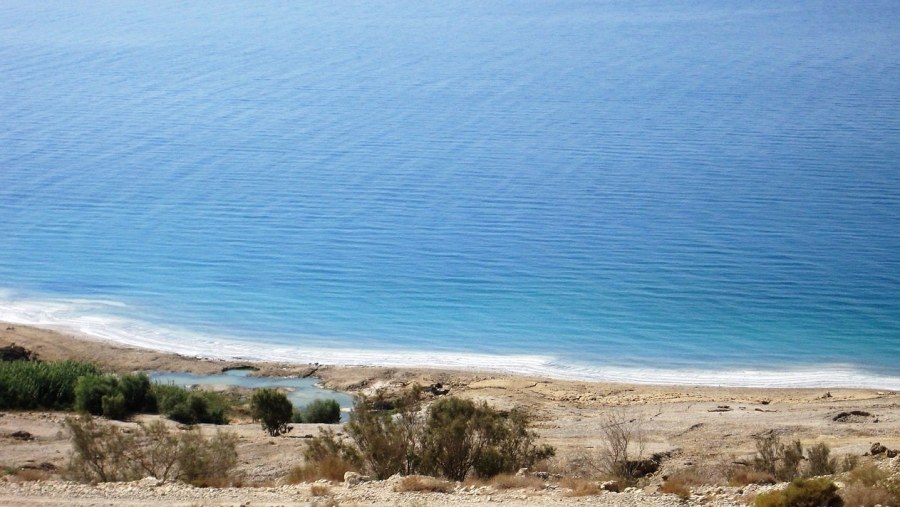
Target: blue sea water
697, 192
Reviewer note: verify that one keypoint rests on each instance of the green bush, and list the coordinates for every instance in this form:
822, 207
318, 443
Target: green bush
114, 406
137, 391
90, 390
802, 493
190, 407
113, 396
273, 410
318, 412
27, 385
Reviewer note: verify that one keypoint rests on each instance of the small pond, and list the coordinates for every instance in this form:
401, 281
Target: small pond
301, 391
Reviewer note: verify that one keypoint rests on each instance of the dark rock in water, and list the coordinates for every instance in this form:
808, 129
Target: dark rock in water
892, 453
21, 435
877, 449
240, 367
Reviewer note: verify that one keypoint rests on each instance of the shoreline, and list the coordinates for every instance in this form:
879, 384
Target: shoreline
570, 415
234, 350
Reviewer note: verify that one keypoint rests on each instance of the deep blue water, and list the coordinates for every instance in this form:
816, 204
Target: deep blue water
630, 190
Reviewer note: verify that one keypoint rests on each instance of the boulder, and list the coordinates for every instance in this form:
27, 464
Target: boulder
353, 478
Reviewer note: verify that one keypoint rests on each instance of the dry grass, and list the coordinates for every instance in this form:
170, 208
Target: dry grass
332, 469
579, 487
420, 483
319, 490
507, 481
676, 487
29, 475
743, 476
701, 475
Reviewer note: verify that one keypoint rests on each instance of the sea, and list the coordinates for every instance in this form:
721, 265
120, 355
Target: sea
703, 192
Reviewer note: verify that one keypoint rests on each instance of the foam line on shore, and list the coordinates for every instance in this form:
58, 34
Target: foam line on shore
86, 317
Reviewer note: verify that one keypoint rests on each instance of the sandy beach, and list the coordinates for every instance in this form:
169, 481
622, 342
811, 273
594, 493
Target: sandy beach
698, 426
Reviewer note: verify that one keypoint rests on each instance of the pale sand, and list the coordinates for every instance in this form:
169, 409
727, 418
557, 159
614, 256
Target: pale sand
567, 414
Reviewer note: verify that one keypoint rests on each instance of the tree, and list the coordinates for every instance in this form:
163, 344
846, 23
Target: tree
273, 410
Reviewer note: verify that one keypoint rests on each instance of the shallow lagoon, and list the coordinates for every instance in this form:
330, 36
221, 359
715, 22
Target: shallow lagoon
302, 391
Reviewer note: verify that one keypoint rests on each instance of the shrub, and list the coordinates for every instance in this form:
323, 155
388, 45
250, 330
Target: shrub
744, 476
319, 490
319, 411
510, 481
327, 457
206, 461
869, 486
389, 444
273, 410
114, 406
622, 455
90, 390
105, 453
579, 487
419, 483
820, 460
27, 385
704, 474
860, 495
114, 397
867, 475
802, 493
190, 407
455, 437
137, 391
677, 488
775, 458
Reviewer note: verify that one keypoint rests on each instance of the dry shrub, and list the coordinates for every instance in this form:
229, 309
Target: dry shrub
867, 475
701, 475
29, 475
676, 487
820, 460
860, 495
579, 487
106, 453
508, 481
328, 469
780, 460
327, 457
869, 485
742, 476
419, 483
623, 446
319, 490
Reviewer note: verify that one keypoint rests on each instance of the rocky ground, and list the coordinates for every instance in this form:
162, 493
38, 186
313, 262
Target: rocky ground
697, 426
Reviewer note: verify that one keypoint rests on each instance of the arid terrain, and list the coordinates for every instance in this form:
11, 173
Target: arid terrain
702, 427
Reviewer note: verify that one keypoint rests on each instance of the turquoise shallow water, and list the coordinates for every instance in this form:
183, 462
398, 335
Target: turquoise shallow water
704, 193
